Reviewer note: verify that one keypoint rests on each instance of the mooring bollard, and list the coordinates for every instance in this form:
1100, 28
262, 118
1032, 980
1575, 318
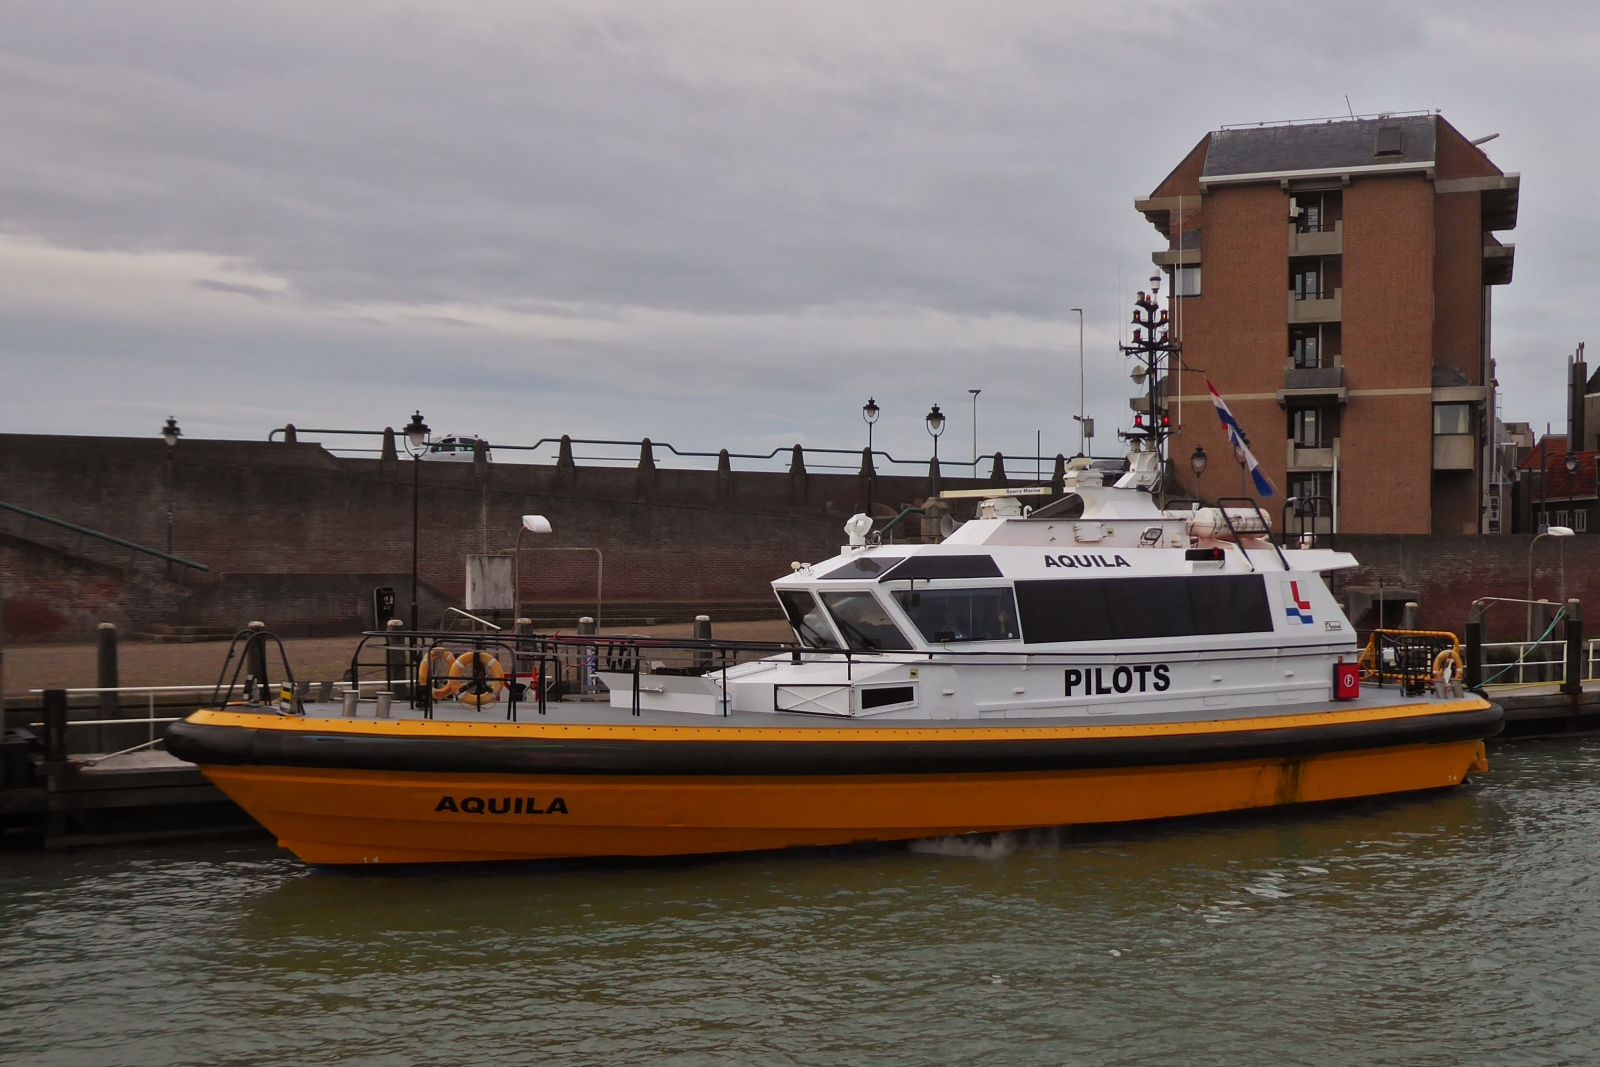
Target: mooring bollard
325, 692
255, 651
351, 698
385, 698
394, 657
1472, 669
106, 675
702, 632
55, 725
1573, 683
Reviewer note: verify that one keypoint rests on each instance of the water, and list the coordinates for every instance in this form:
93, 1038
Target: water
1457, 928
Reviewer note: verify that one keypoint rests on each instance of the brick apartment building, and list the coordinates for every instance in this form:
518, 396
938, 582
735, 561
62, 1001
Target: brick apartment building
1333, 281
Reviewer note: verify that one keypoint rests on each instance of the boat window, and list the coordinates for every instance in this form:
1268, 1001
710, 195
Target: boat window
864, 622
864, 567
1108, 609
806, 617
946, 615
966, 566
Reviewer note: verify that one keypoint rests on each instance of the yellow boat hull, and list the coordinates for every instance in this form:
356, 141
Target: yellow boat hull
334, 816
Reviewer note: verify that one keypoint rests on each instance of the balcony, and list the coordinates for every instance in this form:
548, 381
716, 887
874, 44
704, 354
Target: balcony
1308, 459
1454, 451
1325, 243
1310, 386
1303, 312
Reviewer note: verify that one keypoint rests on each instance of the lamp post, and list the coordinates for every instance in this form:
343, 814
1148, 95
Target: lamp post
416, 432
1197, 463
869, 414
1549, 531
170, 434
1571, 463
974, 393
1082, 447
935, 423
530, 524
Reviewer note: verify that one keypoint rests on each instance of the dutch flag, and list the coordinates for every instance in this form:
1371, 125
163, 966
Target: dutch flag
1236, 438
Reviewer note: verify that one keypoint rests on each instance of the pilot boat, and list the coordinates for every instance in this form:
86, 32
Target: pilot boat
1099, 660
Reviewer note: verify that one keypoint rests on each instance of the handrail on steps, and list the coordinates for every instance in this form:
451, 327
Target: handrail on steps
75, 528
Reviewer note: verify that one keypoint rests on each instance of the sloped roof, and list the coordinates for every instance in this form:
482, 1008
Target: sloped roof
1317, 146
1559, 485
1553, 446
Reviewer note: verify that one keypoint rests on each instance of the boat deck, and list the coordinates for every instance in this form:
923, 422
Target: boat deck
590, 712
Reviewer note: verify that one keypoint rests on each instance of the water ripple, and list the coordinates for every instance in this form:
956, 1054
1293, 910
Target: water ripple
1452, 928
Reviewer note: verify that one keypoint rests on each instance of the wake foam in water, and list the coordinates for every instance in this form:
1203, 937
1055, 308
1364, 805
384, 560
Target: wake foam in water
987, 846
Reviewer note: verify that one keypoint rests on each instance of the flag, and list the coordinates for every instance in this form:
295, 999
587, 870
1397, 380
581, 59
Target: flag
1236, 438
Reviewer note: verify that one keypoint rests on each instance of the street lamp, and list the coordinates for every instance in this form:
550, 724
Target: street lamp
170, 434
416, 432
935, 422
530, 524
869, 414
1549, 531
1571, 463
1197, 462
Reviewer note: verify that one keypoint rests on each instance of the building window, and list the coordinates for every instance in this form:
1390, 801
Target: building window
1186, 281
1580, 521
1561, 518
1452, 418
1315, 212
1307, 427
1312, 493
1305, 346
1305, 278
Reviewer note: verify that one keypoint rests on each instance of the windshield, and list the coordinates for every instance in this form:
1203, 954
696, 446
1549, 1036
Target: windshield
864, 622
946, 615
806, 617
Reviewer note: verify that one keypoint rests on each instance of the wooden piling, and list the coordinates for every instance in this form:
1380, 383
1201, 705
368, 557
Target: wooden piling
106, 673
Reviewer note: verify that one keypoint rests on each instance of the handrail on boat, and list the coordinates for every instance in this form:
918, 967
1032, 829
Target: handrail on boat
256, 636
626, 653
1238, 539
1439, 649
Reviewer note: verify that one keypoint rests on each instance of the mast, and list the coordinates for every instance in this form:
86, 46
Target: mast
1154, 351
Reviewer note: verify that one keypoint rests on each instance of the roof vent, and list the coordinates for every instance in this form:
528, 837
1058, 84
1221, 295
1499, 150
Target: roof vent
1388, 142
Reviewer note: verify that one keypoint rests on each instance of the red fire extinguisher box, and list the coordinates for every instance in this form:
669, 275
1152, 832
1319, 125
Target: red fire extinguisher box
1346, 681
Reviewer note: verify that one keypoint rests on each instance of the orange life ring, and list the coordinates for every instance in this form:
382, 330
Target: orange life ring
435, 671
471, 693
1450, 656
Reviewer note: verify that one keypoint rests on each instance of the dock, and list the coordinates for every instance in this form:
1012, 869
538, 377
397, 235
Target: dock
142, 796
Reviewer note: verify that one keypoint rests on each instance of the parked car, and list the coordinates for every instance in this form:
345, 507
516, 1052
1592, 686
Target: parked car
456, 448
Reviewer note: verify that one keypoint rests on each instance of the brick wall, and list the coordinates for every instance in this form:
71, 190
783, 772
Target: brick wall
297, 537
1450, 572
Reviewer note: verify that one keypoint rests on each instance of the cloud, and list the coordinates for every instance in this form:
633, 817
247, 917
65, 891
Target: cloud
711, 222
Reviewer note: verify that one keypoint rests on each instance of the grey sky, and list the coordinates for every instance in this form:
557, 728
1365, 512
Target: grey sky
718, 224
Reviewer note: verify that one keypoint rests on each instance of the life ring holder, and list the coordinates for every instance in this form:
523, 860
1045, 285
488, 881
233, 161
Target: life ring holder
436, 672
1452, 657
494, 678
